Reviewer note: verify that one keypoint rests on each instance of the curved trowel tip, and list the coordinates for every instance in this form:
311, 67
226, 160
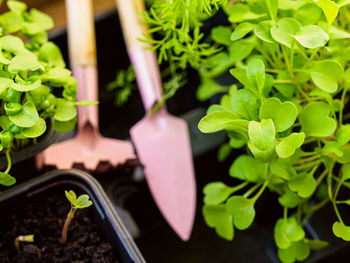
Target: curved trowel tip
163, 146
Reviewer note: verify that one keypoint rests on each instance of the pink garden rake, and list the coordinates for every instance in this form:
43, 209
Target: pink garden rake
88, 147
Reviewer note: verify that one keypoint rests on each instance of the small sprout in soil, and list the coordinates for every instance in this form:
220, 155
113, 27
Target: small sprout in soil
76, 203
25, 238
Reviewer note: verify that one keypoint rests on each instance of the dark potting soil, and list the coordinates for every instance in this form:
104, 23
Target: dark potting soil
44, 217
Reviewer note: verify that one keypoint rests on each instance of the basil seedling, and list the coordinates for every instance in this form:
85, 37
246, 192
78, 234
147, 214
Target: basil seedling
76, 203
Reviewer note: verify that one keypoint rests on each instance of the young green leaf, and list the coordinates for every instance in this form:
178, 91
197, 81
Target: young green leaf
23, 63
240, 12
308, 14
57, 77
297, 251
262, 134
16, 6
342, 231
224, 152
343, 135
242, 211
287, 231
286, 146
304, 184
6, 179
326, 74
64, 126
247, 168
51, 54
241, 49
289, 200
27, 117
284, 29
330, 10
216, 217
283, 114
282, 169
333, 147
256, 73
316, 244
311, 36
221, 35
315, 120
263, 31
78, 202
36, 130
263, 155
37, 22
245, 104
65, 110
241, 30
216, 193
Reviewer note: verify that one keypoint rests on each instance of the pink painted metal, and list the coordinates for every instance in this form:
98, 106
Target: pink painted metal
162, 141
88, 146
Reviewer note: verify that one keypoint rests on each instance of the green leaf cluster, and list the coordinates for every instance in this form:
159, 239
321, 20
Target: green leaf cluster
35, 85
288, 112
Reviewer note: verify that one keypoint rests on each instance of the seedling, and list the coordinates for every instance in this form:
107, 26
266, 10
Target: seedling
25, 238
76, 203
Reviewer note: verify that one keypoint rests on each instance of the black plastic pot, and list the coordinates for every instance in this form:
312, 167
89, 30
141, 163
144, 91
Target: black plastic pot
108, 220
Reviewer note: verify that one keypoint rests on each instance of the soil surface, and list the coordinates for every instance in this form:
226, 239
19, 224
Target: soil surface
44, 217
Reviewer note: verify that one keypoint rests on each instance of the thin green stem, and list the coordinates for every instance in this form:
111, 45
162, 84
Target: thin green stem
342, 106
285, 213
256, 197
9, 162
314, 208
251, 190
70, 216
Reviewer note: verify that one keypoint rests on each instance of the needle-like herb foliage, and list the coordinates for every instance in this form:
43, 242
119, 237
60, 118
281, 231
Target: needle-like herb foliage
35, 85
289, 112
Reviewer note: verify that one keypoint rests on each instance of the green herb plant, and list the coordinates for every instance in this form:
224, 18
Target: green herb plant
76, 203
35, 85
288, 111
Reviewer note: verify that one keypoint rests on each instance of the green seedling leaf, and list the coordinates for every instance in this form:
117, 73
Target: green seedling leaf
290, 4
263, 155
346, 156
65, 110
244, 104
216, 217
283, 114
315, 120
330, 10
321, 93
27, 117
224, 152
51, 54
11, 22
38, 22
311, 36
57, 77
287, 231
333, 147
16, 6
297, 251
241, 49
83, 201
304, 184
214, 108
256, 73
236, 139
221, 120
286, 146
12, 108
12, 44
242, 211
240, 12
343, 135
32, 83
345, 172
36, 95
289, 200
5, 83
221, 35
64, 126
36, 130
24, 63
284, 29
326, 74
4, 122
216, 193
263, 31
308, 14
72, 197
262, 134
6, 179
242, 30
316, 244
282, 169
342, 231
246, 168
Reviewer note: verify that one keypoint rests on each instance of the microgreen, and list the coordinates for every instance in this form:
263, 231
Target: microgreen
288, 111
23, 238
32, 70
80, 202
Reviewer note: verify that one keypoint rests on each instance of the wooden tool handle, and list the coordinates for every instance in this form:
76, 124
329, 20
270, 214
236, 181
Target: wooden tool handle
81, 32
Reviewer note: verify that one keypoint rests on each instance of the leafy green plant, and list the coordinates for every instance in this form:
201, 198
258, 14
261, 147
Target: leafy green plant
288, 111
35, 85
76, 203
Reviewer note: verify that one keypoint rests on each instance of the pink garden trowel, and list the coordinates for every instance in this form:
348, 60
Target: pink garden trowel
162, 141
88, 147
